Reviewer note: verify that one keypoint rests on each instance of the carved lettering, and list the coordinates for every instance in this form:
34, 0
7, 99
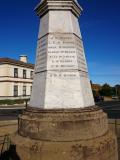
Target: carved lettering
59, 52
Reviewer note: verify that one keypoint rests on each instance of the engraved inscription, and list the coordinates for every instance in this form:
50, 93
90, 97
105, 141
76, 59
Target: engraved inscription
41, 54
82, 65
60, 52
64, 75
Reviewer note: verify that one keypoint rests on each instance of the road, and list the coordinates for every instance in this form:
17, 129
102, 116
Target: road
111, 108
10, 113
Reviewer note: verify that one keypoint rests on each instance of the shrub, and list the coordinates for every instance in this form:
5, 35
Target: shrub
12, 102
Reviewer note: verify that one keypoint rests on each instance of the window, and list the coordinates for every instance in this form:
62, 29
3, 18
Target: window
15, 91
24, 90
31, 74
24, 73
16, 72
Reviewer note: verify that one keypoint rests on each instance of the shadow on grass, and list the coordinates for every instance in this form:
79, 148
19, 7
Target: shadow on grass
11, 154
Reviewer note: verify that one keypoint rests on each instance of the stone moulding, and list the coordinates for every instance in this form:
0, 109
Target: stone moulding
63, 125
69, 134
47, 5
65, 134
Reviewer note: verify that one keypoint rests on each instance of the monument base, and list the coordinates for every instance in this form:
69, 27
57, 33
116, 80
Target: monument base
78, 134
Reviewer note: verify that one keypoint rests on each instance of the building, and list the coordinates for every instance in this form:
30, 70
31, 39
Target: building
96, 87
16, 77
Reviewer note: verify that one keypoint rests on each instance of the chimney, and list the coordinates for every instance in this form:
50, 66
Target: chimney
24, 58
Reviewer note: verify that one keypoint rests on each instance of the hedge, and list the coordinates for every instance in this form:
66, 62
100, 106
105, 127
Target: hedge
12, 102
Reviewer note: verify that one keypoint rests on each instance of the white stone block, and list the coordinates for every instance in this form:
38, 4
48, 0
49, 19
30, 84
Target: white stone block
61, 74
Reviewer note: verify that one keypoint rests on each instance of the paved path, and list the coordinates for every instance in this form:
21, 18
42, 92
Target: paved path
12, 107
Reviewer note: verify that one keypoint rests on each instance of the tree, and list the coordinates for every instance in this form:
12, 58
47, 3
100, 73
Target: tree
106, 90
117, 90
94, 93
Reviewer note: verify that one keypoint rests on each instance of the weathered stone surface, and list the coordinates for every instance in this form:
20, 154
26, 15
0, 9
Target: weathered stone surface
65, 135
97, 149
47, 5
63, 125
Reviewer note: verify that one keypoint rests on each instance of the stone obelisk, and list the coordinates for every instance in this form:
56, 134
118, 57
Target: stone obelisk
61, 75
62, 121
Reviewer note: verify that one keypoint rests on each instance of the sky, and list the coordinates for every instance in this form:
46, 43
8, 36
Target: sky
100, 28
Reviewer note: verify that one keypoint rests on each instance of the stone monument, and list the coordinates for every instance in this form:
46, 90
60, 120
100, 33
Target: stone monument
61, 75
62, 121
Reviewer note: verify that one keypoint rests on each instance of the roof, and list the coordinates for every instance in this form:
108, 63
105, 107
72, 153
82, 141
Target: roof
16, 62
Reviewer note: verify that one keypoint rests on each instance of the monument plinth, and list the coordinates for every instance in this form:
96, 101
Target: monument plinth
62, 121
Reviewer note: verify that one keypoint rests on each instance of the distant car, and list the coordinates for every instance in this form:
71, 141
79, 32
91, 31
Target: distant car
115, 97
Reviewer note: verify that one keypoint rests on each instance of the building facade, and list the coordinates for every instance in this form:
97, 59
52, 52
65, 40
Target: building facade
16, 78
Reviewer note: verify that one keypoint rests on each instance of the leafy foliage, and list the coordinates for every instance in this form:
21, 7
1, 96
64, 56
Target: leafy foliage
12, 102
